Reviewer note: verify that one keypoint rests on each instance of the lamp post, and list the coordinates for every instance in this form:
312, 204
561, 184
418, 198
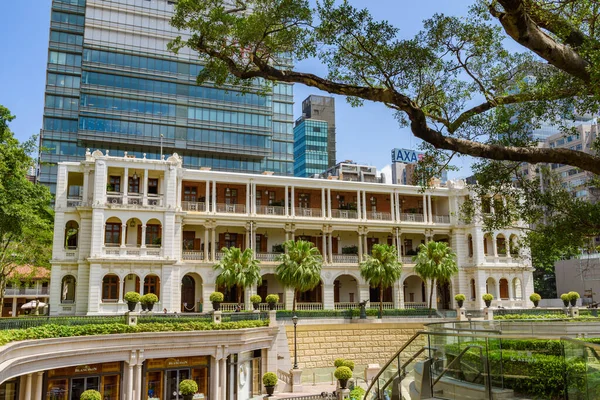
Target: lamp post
295, 321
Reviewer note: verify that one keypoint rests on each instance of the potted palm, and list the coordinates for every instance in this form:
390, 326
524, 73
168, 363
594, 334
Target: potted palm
216, 298
132, 298
342, 374
460, 299
272, 300
565, 298
255, 300
488, 299
188, 388
149, 300
535, 299
270, 381
573, 296
90, 395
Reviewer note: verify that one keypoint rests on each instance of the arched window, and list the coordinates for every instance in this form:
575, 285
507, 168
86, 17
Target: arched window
470, 243
68, 289
473, 290
71, 235
503, 289
110, 288
517, 289
152, 285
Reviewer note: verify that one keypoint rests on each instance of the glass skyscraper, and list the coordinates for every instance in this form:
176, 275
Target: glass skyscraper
310, 147
113, 85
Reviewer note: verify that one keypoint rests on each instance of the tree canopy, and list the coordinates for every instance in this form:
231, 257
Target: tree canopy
237, 269
435, 262
381, 269
26, 218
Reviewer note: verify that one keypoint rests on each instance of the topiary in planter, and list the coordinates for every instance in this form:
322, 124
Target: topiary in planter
149, 300
342, 374
255, 300
349, 364
90, 395
132, 298
573, 296
270, 381
188, 388
488, 299
460, 299
565, 298
535, 299
339, 362
272, 299
216, 298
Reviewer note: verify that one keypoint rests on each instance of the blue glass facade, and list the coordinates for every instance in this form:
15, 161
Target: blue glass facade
310, 147
103, 92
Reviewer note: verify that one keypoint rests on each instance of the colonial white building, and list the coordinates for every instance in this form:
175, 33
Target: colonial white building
125, 223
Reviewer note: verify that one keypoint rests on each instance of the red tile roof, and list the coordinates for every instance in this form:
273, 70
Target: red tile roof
27, 270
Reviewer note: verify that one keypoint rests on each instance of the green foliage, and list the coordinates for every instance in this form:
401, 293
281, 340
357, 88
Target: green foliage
338, 362
90, 395
132, 297
272, 298
26, 218
237, 269
269, 379
188, 386
254, 299
435, 262
381, 269
349, 364
350, 250
149, 298
216, 297
343, 372
487, 297
460, 297
573, 295
535, 297
564, 297
300, 267
357, 393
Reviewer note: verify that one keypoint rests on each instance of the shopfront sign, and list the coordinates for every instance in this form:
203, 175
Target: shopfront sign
406, 156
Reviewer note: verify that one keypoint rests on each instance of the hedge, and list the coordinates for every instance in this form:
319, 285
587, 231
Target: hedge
409, 312
581, 318
57, 331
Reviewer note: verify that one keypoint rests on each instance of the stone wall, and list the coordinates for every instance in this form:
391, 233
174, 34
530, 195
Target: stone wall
364, 343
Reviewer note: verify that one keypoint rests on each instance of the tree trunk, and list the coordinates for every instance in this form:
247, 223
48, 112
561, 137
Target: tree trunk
431, 297
239, 294
2, 289
294, 303
381, 301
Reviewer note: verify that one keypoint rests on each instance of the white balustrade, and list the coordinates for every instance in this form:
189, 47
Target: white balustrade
374, 305
231, 208
74, 201
267, 256
114, 198
345, 259
345, 305
192, 255
411, 217
25, 291
309, 306
230, 306
131, 250
379, 216
413, 304
265, 306
219, 255
270, 210
407, 260
441, 219
308, 212
155, 200
193, 206
134, 199
344, 214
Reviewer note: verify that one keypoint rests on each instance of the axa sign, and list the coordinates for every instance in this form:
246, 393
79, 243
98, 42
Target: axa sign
406, 156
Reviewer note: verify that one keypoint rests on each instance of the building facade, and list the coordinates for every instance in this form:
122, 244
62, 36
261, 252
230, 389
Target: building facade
310, 147
112, 83
351, 171
323, 108
26, 284
155, 227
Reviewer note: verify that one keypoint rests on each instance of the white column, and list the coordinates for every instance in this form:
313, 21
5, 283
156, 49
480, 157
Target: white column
497, 296
495, 246
145, 188
365, 244
222, 377
511, 295
360, 247
143, 244
38, 386
123, 234
328, 203
214, 243
86, 183
207, 197
178, 185
214, 196
28, 386
293, 202
248, 243
125, 184
138, 380
429, 210
425, 209
248, 197
14, 307
330, 239
324, 247
214, 373
358, 205
286, 200
364, 204
393, 205
253, 201
323, 214
205, 244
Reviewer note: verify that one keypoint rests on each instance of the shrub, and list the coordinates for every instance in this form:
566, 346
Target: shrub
272, 298
339, 362
349, 364
216, 297
357, 393
564, 297
573, 295
132, 297
487, 297
90, 395
187, 387
255, 299
270, 379
535, 297
149, 298
460, 297
343, 372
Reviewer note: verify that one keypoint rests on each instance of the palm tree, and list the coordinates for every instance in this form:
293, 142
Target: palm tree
381, 269
300, 267
435, 262
237, 268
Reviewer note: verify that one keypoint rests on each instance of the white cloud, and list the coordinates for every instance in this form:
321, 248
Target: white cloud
387, 171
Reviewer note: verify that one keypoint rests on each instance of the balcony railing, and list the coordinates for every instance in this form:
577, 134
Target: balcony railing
345, 305
74, 201
132, 250
269, 257
308, 212
219, 255
155, 200
192, 255
344, 214
345, 259
134, 199
379, 216
193, 206
374, 305
22, 291
270, 210
114, 198
265, 306
415, 304
407, 260
411, 217
309, 306
231, 208
441, 219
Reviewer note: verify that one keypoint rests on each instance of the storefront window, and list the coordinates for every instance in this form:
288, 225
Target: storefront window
9, 390
69, 383
164, 375
244, 378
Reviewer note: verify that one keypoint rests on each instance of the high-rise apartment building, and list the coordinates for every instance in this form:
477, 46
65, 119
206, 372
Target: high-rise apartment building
323, 108
113, 85
310, 147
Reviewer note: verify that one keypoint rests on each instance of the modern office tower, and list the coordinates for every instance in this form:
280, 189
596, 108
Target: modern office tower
323, 108
310, 147
113, 85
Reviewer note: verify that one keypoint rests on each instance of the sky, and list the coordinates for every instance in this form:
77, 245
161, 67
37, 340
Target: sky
365, 135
